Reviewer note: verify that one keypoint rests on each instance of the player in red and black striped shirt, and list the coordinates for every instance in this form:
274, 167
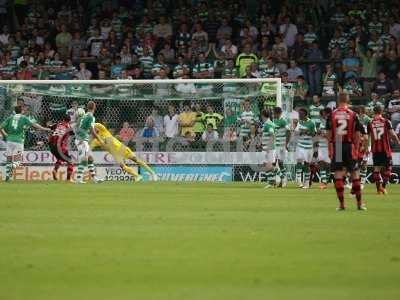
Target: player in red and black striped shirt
344, 132
58, 143
381, 131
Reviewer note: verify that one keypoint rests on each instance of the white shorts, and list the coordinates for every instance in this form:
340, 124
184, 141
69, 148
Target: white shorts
365, 157
84, 150
14, 149
269, 157
323, 155
304, 155
280, 153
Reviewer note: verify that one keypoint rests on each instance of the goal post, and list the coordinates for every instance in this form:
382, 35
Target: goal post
132, 103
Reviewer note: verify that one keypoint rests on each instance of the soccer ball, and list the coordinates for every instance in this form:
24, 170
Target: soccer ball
80, 112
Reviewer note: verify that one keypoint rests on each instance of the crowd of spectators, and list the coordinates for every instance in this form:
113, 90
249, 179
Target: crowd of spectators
193, 126
321, 47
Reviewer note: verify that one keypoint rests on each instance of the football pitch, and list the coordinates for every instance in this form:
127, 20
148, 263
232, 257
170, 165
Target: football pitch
195, 241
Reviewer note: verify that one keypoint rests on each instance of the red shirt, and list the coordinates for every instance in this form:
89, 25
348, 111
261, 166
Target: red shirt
60, 135
379, 129
343, 125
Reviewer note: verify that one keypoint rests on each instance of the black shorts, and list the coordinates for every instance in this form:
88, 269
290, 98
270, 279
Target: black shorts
381, 159
343, 158
63, 156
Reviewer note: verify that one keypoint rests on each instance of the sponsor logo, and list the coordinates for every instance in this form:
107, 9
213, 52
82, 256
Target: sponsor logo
114, 174
192, 174
44, 173
169, 158
246, 173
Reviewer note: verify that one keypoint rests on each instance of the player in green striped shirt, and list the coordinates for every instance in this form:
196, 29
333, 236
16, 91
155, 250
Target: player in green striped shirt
364, 120
13, 131
282, 136
315, 110
323, 148
268, 146
82, 137
305, 131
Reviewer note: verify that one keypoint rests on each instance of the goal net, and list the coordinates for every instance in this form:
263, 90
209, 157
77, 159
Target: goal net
136, 112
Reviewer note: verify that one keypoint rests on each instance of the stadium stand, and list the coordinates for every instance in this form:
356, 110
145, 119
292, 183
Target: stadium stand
323, 46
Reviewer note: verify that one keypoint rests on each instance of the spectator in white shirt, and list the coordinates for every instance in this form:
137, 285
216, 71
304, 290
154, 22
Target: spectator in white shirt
229, 49
185, 88
4, 36
288, 31
210, 134
83, 73
163, 29
252, 29
37, 37
200, 36
162, 89
171, 123
394, 28
105, 28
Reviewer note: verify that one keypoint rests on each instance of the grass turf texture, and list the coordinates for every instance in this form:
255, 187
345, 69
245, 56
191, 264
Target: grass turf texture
195, 241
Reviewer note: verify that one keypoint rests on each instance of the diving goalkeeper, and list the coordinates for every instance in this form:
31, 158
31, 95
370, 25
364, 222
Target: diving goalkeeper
120, 152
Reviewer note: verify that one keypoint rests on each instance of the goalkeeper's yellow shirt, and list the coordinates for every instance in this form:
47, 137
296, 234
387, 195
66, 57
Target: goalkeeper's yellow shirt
111, 144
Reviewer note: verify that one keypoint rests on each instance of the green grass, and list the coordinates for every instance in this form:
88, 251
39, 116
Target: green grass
195, 241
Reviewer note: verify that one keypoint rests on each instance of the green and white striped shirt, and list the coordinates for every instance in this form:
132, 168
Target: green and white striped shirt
314, 113
202, 67
281, 129
376, 46
147, 63
268, 136
310, 37
306, 132
384, 39
178, 70
270, 72
15, 51
322, 140
339, 42
145, 28
157, 67
377, 27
